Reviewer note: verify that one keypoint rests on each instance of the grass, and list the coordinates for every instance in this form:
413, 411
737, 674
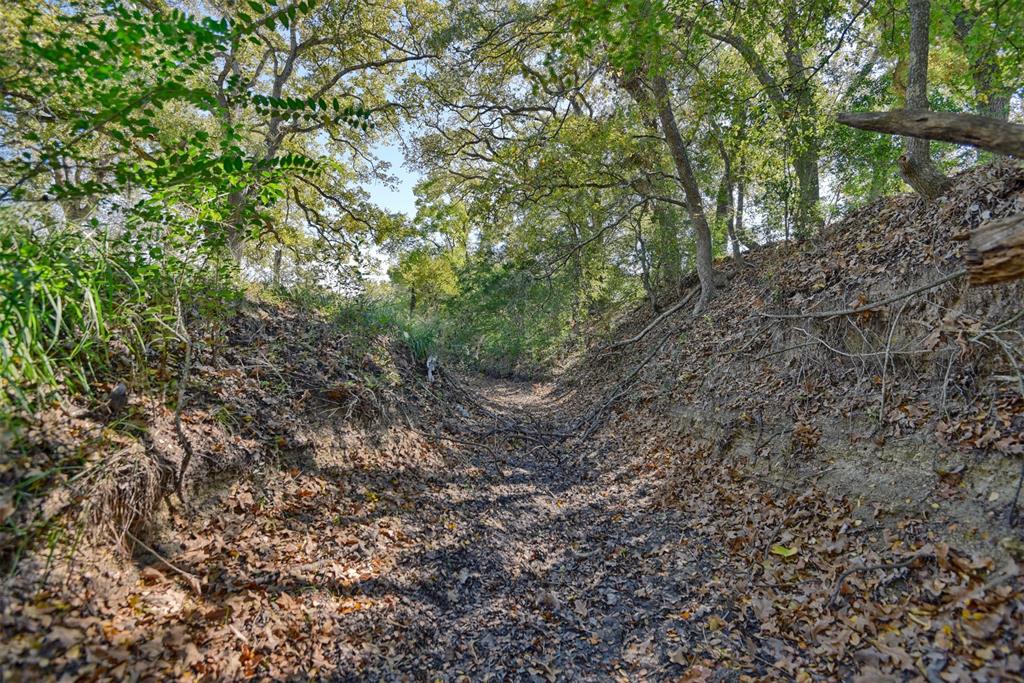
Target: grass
79, 300
82, 308
366, 316
53, 320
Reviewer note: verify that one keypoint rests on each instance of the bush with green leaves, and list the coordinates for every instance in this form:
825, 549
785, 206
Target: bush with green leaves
104, 100
506, 322
128, 179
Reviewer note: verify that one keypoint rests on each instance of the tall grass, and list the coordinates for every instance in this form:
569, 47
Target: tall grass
54, 321
72, 297
366, 316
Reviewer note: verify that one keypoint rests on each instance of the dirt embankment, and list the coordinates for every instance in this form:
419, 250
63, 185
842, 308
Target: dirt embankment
121, 547
735, 497
911, 408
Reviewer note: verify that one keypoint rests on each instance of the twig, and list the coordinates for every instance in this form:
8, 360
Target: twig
867, 307
871, 568
885, 363
1006, 323
861, 355
1016, 497
594, 418
788, 348
192, 578
654, 323
945, 382
979, 591
747, 344
186, 445
464, 442
1008, 351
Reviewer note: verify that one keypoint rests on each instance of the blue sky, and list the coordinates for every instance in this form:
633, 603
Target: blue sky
400, 197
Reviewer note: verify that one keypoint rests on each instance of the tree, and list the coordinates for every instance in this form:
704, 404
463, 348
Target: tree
633, 40
791, 92
691, 191
989, 37
111, 102
916, 165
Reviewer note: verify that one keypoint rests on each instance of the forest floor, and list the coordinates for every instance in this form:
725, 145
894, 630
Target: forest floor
521, 560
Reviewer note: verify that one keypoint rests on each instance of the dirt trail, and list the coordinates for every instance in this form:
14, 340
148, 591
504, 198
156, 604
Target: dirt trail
381, 556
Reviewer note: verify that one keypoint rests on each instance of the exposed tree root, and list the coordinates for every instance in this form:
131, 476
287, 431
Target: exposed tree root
654, 323
867, 307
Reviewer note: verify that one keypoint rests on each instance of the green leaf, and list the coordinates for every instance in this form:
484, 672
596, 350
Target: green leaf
783, 551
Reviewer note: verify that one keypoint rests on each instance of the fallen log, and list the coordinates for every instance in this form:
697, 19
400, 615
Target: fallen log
995, 252
966, 129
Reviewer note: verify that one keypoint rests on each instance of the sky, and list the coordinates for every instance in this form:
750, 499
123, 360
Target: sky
400, 197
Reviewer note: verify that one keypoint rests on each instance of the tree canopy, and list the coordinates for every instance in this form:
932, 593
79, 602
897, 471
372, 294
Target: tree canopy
575, 155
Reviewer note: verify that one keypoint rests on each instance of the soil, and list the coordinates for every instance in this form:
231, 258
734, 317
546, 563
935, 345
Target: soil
732, 497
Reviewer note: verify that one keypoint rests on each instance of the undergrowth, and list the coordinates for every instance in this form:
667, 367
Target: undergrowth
82, 303
365, 316
84, 308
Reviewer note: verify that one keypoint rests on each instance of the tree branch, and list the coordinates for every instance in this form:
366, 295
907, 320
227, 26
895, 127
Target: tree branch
965, 129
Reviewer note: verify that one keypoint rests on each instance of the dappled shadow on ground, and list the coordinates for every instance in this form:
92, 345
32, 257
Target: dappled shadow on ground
432, 560
548, 571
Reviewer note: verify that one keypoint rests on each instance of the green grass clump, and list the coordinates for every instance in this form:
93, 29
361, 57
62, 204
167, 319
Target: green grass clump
80, 300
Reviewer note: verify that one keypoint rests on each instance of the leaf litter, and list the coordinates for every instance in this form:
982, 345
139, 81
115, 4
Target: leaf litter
347, 521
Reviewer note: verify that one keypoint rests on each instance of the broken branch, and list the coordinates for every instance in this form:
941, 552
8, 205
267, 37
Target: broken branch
654, 323
996, 251
965, 129
867, 307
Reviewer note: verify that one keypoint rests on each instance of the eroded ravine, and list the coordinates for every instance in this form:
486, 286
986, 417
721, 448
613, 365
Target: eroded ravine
636, 554
560, 568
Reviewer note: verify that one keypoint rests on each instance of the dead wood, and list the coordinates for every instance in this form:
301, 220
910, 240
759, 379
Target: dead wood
874, 567
867, 307
192, 579
996, 251
965, 129
654, 323
593, 417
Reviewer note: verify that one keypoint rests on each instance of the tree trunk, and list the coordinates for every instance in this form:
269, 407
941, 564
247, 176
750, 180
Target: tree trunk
991, 100
916, 164
577, 274
691, 191
803, 134
737, 224
645, 266
997, 107
724, 213
808, 213
77, 209
670, 260
277, 267
795, 93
